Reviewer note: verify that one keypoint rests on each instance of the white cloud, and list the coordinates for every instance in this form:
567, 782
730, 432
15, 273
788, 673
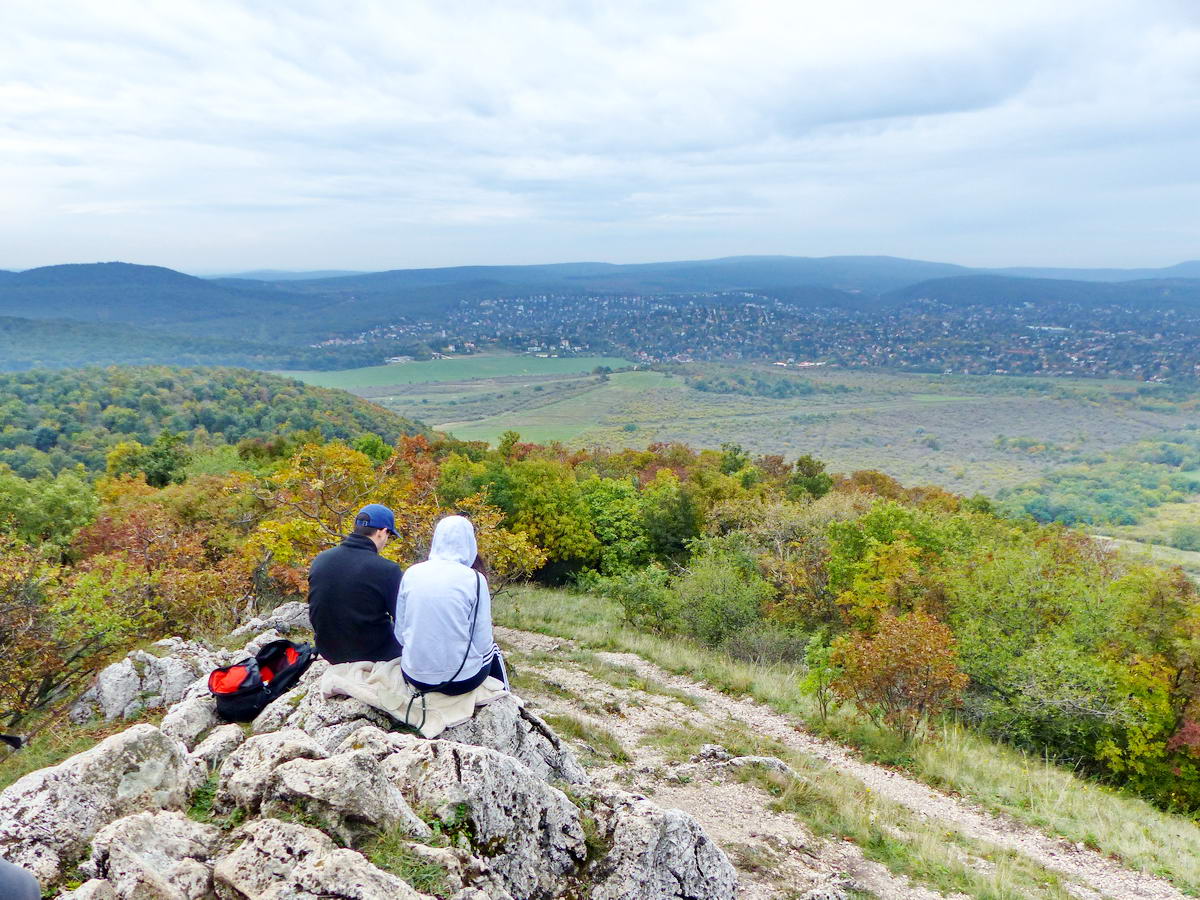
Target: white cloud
377, 134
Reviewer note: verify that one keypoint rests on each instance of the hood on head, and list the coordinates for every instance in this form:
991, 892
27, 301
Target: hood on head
454, 539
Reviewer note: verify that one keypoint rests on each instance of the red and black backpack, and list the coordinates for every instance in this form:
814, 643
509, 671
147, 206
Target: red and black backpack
244, 689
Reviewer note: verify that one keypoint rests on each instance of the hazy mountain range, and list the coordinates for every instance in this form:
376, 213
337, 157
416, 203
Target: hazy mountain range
272, 318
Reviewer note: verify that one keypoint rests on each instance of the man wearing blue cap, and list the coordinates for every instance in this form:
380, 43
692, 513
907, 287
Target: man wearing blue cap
352, 592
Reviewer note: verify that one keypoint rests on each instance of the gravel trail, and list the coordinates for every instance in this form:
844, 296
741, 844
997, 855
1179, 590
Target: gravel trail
1094, 875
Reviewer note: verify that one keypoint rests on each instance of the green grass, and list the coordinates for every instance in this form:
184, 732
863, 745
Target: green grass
568, 417
392, 851
602, 743
841, 807
618, 676
525, 680
996, 776
1154, 534
456, 369
1188, 560
57, 738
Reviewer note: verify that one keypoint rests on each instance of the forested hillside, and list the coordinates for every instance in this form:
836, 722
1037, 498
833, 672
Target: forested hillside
51, 421
906, 604
67, 343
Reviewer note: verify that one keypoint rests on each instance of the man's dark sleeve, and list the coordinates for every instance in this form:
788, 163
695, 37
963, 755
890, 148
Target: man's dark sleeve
393, 592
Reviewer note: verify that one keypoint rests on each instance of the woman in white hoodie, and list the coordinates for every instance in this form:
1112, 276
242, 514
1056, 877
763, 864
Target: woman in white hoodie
444, 616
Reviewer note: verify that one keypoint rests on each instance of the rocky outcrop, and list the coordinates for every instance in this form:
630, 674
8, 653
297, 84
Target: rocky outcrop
329, 720
247, 770
350, 791
48, 818
143, 681
274, 860
191, 718
163, 854
528, 831
506, 726
94, 889
283, 620
215, 749
654, 853
487, 804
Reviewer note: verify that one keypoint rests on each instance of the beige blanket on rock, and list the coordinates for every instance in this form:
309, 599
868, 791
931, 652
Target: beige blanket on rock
381, 684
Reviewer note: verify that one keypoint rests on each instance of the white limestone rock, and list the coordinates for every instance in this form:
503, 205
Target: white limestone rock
48, 817
253, 646
506, 726
345, 875
213, 750
93, 889
284, 619
825, 892
348, 790
466, 874
528, 831
247, 770
162, 855
144, 681
188, 719
276, 860
655, 854
330, 720
265, 854
773, 763
379, 743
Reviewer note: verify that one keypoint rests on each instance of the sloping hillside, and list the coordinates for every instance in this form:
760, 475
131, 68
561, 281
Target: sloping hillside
53, 420
798, 812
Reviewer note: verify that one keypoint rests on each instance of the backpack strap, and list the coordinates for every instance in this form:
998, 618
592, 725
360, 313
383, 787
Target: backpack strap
470, 633
466, 654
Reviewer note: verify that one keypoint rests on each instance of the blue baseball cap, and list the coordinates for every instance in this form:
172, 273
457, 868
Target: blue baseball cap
376, 515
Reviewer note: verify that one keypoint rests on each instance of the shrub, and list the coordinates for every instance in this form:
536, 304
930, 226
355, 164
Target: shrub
903, 674
644, 595
818, 681
720, 594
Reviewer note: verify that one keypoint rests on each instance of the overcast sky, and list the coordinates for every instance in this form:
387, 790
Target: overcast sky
222, 136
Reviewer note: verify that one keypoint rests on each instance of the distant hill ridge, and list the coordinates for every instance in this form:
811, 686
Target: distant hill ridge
1000, 290
288, 321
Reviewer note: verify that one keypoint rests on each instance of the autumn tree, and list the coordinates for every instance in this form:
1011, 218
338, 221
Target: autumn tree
808, 479
901, 675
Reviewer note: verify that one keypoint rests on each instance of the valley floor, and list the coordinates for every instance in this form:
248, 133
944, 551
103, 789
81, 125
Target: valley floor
966, 434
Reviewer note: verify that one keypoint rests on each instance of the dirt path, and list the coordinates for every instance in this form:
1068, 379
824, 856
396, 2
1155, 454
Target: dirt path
774, 853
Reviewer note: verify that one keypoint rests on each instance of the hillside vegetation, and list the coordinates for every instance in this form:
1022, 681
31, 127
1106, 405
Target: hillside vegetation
905, 604
67, 343
1104, 451
52, 421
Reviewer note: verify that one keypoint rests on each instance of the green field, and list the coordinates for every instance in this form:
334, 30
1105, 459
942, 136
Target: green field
923, 429
461, 368
1188, 560
1155, 534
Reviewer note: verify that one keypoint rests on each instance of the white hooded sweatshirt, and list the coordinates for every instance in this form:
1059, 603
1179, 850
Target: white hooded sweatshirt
434, 609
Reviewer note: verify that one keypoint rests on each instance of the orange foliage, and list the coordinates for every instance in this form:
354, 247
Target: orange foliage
904, 673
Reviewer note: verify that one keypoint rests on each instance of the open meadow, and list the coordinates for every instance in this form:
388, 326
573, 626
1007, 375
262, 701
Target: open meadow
967, 434
462, 368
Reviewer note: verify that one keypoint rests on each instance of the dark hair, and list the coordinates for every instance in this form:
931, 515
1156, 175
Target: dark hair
366, 530
480, 565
